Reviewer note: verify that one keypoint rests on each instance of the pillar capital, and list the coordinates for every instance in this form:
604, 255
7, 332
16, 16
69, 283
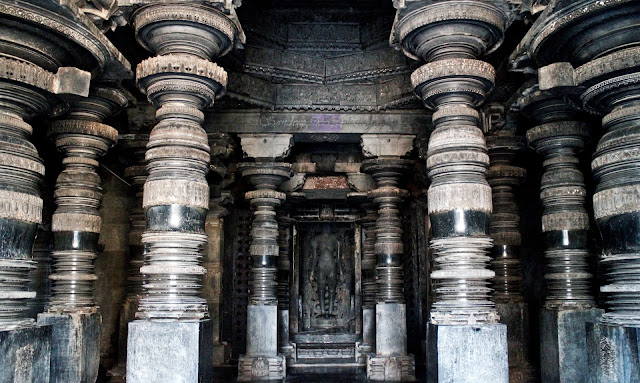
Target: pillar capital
265, 146
382, 145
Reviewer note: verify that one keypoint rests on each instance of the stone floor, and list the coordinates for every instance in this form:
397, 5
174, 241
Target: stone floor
346, 377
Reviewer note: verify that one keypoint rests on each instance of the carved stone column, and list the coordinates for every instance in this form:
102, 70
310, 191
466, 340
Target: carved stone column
182, 81
386, 165
212, 283
221, 148
450, 36
26, 90
133, 146
368, 222
284, 287
558, 136
82, 137
39, 42
504, 176
262, 361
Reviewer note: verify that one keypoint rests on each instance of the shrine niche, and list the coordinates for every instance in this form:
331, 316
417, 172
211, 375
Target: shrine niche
327, 277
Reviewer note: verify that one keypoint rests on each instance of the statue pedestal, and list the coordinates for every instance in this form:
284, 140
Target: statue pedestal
613, 353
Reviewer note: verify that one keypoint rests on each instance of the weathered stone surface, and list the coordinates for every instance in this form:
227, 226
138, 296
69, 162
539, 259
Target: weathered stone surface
467, 354
613, 353
75, 350
169, 352
25, 354
563, 347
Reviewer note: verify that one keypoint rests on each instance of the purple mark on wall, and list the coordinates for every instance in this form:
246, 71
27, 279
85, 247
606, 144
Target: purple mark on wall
325, 123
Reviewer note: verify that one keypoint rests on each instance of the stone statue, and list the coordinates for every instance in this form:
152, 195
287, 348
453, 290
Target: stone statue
326, 268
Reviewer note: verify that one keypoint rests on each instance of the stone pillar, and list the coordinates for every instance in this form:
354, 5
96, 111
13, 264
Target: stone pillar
611, 85
454, 83
558, 136
386, 165
262, 361
504, 176
212, 262
181, 81
82, 137
133, 144
601, 75
284, 286
368, 222
26, 90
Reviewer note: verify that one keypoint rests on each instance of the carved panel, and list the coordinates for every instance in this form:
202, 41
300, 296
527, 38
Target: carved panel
327, 267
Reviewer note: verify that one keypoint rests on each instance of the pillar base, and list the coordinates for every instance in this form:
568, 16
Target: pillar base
467, 354
391, 368
169, 352
253, 368
563, 346
75, 349
613, 353
25, 354
516, 317
368, 332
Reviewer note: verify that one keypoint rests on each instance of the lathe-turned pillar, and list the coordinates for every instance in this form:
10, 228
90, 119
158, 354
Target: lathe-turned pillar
262, 360
133, 145
368, 222
558, 136
386, 165
285, 224
172, 338
26, 90
505, 175
451, 36
72, 312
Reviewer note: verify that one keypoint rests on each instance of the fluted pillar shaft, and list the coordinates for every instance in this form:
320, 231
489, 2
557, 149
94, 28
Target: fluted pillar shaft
181, 81
388, 247
283, 280
386, 164
454, 83
368, 222
134, 144
505, 175
26, 90
82, 138
451, 37
265, 174
565, 222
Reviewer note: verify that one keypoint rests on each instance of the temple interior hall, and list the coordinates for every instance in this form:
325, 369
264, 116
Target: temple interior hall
435, 191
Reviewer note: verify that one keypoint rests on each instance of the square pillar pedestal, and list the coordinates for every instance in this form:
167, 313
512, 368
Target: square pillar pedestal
262, 361
391, 362
467, 354
516, 317
170, 352
25, 355
75, 346
613, 353
563, 344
